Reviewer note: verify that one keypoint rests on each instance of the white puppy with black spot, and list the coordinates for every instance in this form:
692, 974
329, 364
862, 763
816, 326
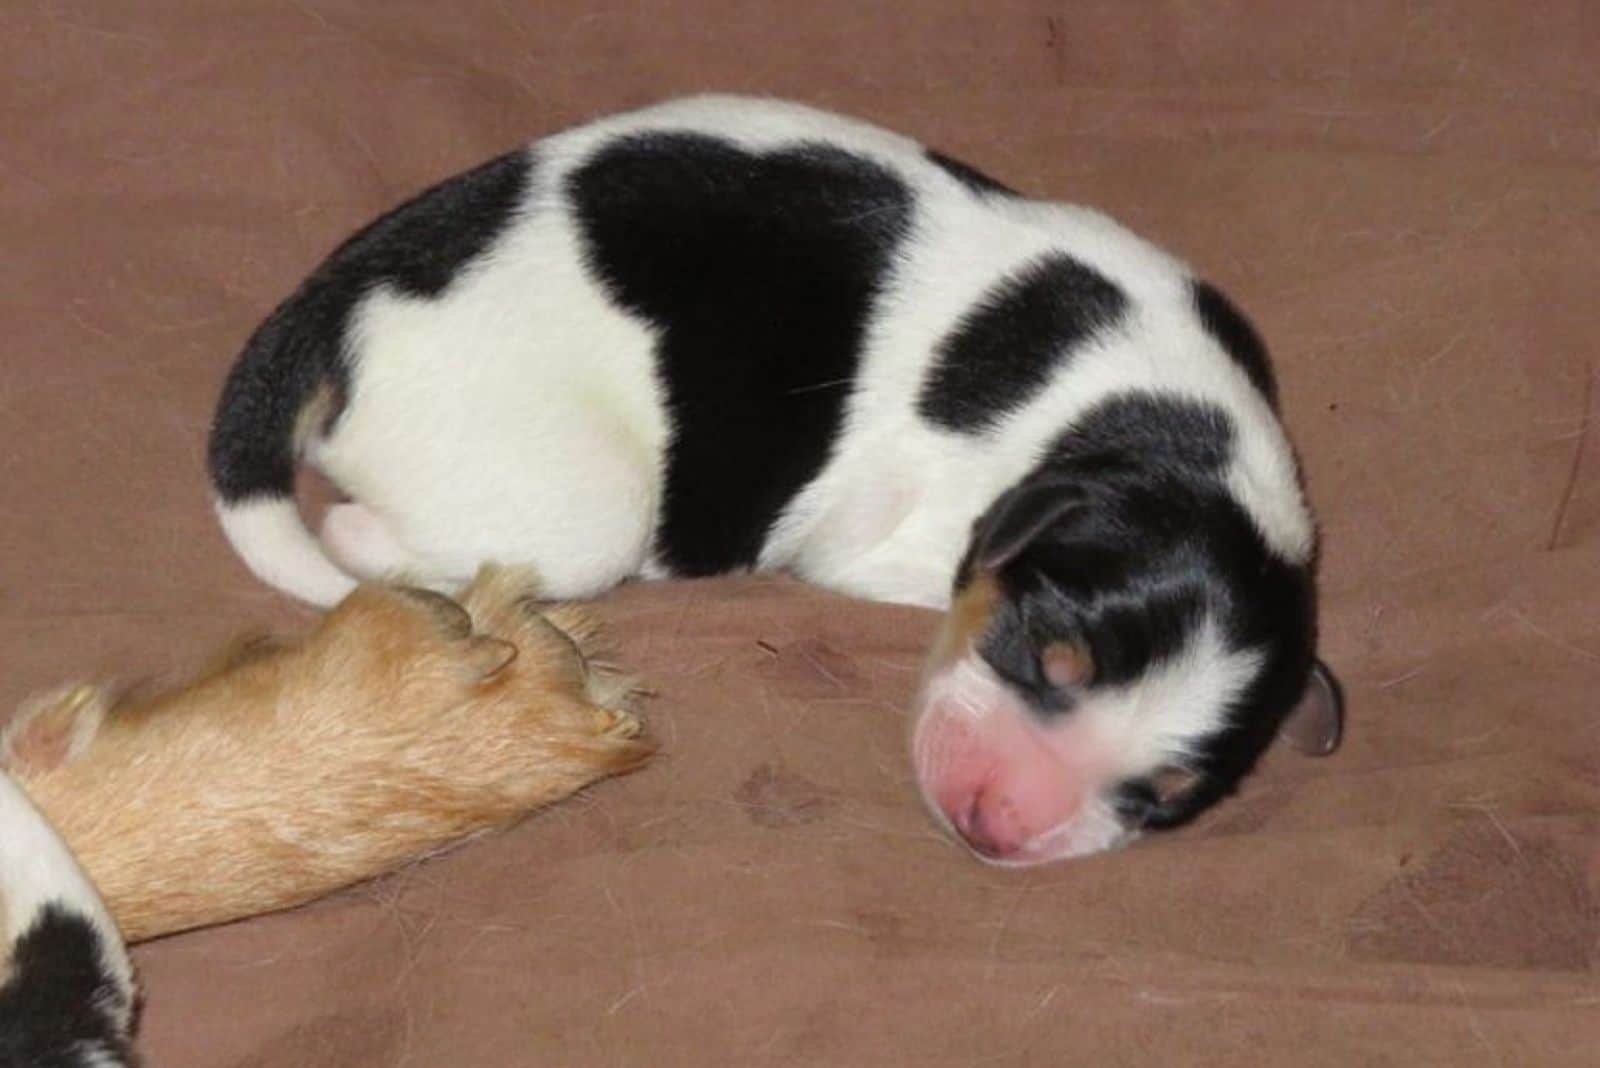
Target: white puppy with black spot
722, 334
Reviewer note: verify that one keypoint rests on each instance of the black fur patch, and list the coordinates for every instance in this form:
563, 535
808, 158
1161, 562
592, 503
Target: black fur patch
1157, 544
1168, 438
1237, 336
418, 248
59, 1001
1005, 349
760, 272
969, 176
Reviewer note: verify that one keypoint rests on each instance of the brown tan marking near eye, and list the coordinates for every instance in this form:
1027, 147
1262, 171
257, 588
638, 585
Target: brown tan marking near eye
1170, 784
966, 620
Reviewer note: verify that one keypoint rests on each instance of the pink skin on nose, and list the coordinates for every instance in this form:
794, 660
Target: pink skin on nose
1014, 792
999, 788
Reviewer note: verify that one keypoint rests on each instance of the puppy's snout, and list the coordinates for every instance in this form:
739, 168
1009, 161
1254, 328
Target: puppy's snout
990, 824
1013, 790
997, 788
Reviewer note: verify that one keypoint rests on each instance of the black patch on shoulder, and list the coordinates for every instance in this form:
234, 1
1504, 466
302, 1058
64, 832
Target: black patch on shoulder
1237, 336
969, 176
1004, 350
760, 272
60, 1000
418, 249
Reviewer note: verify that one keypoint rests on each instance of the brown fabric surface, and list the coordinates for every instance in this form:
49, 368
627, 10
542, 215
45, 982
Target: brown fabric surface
1405, 197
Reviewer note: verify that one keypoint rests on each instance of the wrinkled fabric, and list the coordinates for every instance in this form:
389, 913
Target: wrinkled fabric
1403, 197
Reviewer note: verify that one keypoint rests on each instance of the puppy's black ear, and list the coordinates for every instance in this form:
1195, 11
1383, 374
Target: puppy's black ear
1018, 517
1316, 723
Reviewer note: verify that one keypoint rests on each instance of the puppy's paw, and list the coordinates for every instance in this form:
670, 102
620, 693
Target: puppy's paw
498, 594
52, 729
616, 742
617, 723
530, 680
564, 644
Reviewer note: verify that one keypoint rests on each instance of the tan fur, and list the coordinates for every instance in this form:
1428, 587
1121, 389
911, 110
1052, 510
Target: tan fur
1067, 664
968, 618
290, 768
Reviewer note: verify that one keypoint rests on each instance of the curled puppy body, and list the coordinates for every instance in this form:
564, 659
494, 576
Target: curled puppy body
403, 722
721, 334
66, 987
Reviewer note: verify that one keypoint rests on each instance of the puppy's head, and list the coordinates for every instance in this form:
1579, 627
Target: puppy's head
1119, 652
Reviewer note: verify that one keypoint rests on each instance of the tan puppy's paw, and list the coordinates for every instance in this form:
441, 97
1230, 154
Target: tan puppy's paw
567, 644
611, 721
52, 729
403, 722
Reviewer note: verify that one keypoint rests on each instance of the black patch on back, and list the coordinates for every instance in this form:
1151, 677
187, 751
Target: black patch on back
968, 175
1237, 336
59, 996
1157, 544
418, 249
1004, 350
760, 272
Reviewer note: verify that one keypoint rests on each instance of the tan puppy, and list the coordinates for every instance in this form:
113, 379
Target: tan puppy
401, 723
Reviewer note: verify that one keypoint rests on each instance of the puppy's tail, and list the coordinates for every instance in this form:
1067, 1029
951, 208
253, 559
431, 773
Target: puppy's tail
287, 386
66, 986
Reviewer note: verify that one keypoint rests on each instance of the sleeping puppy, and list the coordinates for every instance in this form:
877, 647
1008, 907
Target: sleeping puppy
723, 334
66, 987
401, 723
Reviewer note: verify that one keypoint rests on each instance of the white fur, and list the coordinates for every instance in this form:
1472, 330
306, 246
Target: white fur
517, 416
274, 543
36, 870
95, 1055
1154, 721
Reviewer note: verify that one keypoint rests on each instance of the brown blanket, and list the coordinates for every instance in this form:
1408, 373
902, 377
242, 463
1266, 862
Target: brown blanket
1406, 198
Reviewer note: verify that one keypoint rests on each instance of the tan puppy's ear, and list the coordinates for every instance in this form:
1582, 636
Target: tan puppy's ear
52, 729
1316, 724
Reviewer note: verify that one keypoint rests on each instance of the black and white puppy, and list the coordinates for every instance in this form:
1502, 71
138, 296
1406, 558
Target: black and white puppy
66, 986
722, 334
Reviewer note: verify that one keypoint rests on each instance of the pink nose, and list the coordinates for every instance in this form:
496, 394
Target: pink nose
990, 823
996, 781
1004, 784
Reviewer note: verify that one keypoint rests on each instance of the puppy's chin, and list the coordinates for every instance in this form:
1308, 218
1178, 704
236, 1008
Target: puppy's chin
1015, 791
1096, 829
